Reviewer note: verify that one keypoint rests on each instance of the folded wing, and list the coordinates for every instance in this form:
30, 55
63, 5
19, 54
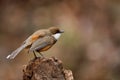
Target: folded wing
43, 44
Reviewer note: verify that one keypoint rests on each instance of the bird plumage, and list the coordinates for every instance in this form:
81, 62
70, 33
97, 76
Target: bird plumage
40, 40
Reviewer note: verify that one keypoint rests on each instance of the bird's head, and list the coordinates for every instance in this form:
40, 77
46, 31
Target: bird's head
56, 32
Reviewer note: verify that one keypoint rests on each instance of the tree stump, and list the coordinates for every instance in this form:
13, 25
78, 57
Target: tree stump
46, 69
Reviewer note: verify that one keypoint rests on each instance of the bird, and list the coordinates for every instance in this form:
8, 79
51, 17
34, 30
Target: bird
39, 41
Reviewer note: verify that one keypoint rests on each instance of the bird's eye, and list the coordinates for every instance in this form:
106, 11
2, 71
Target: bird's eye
57, 31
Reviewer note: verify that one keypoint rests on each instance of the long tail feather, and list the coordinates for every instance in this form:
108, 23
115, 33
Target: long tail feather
16, 52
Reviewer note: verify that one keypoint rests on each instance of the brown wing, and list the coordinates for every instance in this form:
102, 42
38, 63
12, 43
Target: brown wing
43, 44
38, 34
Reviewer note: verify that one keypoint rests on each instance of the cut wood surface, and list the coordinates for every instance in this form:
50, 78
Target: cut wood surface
46, 69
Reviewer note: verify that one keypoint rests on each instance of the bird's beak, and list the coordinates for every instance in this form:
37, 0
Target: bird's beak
61, 31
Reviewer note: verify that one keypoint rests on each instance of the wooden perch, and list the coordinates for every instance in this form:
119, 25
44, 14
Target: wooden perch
46, 69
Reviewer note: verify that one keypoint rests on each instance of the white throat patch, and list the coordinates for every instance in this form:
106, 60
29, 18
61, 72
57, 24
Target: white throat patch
57, 36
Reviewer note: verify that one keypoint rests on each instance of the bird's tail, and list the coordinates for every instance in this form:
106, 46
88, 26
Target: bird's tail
16, 52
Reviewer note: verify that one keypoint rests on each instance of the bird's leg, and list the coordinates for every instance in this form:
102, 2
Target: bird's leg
34, 54
41, 54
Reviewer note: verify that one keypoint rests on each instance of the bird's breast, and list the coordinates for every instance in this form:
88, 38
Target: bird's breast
45, 48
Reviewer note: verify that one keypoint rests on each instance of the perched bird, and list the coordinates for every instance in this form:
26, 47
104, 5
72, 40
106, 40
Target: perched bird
39, 41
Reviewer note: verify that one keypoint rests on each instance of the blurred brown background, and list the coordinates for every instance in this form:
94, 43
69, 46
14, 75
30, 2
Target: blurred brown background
90, 46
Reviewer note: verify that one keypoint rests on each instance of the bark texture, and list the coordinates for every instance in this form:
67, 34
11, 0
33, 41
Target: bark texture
46, 69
